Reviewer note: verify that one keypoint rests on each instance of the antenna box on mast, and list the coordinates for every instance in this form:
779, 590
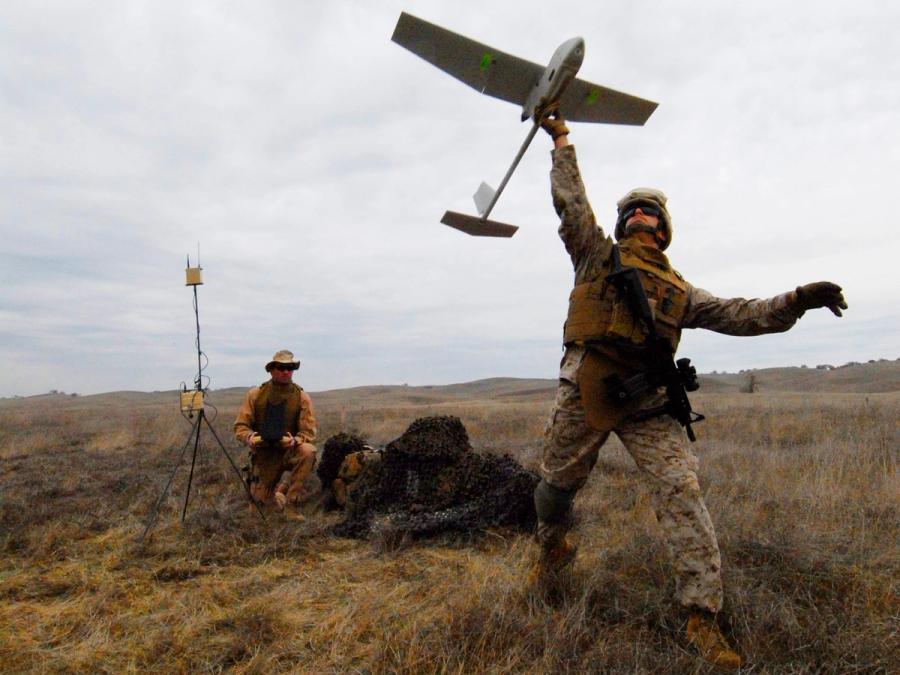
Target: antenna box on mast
193, 276
191, 401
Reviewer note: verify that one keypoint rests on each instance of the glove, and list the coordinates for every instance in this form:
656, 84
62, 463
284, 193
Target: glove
553, 123
254, 440
821, 294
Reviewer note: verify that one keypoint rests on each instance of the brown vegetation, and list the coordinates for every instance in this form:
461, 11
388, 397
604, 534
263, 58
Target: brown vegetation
802, 487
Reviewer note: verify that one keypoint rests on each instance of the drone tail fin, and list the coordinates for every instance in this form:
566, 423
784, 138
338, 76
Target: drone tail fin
478, 227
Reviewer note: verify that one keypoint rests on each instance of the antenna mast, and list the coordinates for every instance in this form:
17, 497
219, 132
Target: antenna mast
194, 277
192, 401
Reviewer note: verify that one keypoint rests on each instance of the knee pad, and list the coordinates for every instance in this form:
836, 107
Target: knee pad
552, 504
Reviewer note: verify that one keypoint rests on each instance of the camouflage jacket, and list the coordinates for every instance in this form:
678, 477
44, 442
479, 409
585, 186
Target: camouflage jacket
590, 247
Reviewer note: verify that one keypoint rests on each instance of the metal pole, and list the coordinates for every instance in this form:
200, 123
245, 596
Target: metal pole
165, 491
197, 382
236, 470
509, 173
187, 492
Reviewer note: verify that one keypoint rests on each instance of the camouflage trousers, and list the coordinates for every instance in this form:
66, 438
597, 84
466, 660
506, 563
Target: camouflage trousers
659, 448
282, 470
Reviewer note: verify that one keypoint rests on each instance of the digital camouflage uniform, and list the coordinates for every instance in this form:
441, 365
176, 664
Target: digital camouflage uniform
268, 462
659, 444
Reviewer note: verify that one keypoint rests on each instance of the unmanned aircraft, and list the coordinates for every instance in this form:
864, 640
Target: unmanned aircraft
536, 88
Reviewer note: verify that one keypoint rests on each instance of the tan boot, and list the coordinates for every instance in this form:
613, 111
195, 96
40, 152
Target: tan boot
553, 561
703, 634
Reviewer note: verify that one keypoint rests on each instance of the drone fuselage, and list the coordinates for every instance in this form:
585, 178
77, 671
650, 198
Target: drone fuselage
558, 74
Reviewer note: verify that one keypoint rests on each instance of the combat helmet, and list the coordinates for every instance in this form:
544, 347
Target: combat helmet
650, 196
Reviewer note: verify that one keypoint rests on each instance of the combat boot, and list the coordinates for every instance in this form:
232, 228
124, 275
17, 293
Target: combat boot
703, 634
553, 506
285, 508
557, 553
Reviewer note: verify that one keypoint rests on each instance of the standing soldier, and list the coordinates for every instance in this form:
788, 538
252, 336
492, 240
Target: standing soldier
277, 423
603, 339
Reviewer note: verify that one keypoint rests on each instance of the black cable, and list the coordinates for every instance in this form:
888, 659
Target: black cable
215, 411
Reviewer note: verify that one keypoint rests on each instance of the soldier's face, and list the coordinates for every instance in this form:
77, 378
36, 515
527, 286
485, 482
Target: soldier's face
643, 225
650, 218
282, 374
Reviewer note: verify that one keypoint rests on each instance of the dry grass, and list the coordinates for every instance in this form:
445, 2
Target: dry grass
803, 490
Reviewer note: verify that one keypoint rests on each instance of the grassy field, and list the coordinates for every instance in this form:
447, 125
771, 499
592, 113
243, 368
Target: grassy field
803, 490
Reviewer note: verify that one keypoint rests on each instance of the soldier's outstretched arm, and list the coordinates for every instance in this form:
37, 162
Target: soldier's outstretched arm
738, 316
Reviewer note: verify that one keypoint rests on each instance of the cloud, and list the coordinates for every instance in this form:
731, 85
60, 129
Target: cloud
312, 158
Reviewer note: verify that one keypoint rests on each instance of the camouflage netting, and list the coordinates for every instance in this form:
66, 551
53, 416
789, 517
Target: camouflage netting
336, 448
429, 481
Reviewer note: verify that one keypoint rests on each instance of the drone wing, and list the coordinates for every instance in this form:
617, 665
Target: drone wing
480, 66
583, 101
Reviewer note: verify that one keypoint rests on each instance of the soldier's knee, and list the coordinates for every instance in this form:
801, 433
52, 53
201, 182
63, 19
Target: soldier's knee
552, 504
566, 432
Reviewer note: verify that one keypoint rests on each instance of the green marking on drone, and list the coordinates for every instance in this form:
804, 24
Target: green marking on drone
593, 96
486, 61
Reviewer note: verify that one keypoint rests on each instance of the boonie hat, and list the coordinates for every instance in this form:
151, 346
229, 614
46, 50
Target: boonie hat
282, 357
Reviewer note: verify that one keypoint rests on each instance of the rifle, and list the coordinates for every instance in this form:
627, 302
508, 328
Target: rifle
678, 377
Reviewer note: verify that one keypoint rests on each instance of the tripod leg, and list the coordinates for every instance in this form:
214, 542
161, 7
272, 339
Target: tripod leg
187, 493
236, 470
165, 491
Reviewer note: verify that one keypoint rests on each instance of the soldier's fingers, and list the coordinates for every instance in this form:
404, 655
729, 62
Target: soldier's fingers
835, 310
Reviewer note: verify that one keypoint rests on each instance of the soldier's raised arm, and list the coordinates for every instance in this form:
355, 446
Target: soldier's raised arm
578, 227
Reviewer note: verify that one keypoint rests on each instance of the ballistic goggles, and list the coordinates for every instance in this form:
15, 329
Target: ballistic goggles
646, 209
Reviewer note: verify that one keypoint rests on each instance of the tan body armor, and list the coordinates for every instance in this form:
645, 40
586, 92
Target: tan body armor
598, 315
602, 321
275, 394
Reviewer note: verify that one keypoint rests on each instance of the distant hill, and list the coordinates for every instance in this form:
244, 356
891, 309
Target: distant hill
855, 378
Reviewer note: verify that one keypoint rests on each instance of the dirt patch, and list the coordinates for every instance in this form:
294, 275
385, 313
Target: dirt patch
430, 481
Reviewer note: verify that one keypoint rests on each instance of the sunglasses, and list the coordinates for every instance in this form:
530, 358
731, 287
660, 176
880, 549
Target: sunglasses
646, 209
282, 368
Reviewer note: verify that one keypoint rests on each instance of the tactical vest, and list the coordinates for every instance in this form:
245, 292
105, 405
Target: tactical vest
276, 395
598, 315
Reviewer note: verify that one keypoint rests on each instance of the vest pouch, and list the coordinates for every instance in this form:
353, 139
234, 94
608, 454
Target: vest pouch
601, 412
623, 327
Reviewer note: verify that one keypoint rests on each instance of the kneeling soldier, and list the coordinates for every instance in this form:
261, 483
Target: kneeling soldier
277, 423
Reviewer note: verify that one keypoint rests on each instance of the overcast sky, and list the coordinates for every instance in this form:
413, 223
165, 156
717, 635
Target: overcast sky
312, 159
